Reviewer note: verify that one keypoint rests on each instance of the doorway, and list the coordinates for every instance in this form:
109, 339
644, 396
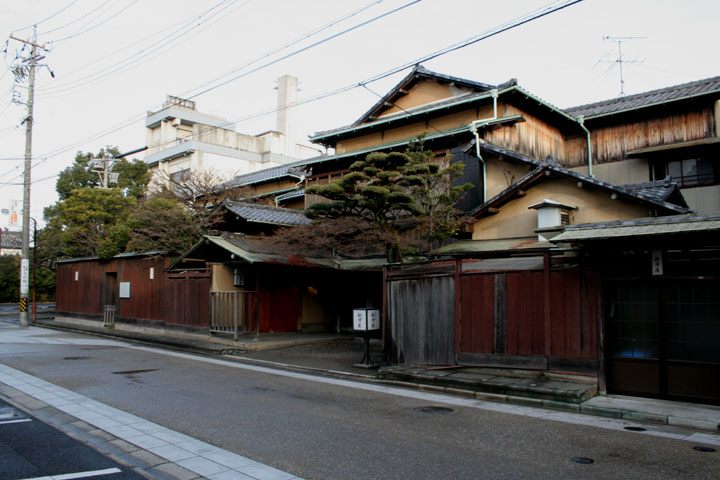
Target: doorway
663, 339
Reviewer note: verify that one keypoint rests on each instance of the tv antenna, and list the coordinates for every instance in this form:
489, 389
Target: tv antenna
620, 59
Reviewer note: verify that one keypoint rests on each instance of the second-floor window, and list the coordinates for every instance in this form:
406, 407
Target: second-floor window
690, 172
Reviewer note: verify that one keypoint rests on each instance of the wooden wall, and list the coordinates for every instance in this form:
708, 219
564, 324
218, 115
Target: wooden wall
533, 137
181, 300
610, 143
502, 318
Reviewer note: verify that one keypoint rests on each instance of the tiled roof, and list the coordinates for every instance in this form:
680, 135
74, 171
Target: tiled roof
253, 212
659, 190
542, 167
407, 112
419, 72
677, 224
646, 99
294, 194
294, 169
11, 240
260, 249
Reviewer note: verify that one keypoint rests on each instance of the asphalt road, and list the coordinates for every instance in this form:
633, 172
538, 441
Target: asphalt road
29, 449
320, 430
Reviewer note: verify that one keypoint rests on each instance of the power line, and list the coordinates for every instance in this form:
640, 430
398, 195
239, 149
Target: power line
78, 33
518, 21
93, 62
320, 42
49, 17
302, 37
110, 70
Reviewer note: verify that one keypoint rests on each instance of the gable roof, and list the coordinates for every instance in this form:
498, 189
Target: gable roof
294, 169
510, 90
647, 196
260, 249
661, 190
257, 213
698, 88
418, 73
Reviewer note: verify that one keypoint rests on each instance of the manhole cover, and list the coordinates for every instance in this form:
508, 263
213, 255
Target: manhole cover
432, 410
635, 429
75, 358
583, 460
132, 372
700, 448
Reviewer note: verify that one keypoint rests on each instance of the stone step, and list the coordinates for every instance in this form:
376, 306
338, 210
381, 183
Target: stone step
539, 388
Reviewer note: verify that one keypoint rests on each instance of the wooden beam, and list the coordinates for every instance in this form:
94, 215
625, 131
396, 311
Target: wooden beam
493, 211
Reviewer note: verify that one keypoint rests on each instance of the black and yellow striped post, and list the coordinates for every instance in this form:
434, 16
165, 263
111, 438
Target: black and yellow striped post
23, 304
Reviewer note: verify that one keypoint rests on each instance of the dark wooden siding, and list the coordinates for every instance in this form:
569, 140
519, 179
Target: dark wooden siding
477, 329
525, 314
422, 320
574, 314
503, 317
610, 143
170, 299
186, 300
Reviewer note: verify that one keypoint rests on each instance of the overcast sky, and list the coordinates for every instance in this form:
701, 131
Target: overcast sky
114, 60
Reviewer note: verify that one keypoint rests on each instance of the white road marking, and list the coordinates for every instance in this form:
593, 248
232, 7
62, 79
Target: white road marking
71, 476
534, 412
15, 421
199, 457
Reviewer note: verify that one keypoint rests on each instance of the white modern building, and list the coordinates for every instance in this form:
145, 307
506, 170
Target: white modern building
182, 140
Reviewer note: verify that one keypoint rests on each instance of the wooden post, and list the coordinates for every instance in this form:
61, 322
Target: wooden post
458, 307
546, 294
384, 315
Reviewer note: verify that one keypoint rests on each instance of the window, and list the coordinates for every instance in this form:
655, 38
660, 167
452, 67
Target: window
690, 172
238, 278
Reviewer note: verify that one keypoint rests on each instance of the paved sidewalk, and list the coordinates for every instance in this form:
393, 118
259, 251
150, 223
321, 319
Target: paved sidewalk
337, 355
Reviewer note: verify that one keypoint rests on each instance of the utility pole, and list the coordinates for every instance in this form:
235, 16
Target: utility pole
25, 261
106, 176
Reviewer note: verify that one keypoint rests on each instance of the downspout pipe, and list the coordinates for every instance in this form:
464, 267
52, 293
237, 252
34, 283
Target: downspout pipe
581, 121
473, 128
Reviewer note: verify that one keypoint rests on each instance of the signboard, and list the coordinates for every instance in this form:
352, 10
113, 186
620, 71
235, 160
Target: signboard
657, 262
365, 319
24, 276
15, 207
124, 289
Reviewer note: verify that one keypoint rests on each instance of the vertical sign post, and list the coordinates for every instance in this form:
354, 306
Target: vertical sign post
366, 320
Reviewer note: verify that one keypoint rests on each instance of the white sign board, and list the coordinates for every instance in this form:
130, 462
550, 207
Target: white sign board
15, 208
366, 319
24, 276
657, 262
124, 289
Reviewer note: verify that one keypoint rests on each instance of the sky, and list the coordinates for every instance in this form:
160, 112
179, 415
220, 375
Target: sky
115, 60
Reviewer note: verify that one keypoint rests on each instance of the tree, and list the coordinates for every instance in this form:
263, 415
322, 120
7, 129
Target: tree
9, 278
388, 189
88, 220
202, 193
161, 224
432, 185
133, 175
85, 222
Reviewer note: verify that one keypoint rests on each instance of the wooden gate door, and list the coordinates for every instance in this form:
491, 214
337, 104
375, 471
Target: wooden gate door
279, 309
422, 320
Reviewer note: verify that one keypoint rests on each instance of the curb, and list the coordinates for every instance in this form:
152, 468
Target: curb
598, 411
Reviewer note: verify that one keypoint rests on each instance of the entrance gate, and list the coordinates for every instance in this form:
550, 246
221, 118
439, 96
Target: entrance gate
234, 312
663, 339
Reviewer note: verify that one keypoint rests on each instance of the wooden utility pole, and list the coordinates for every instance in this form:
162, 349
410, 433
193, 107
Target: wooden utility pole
25, 261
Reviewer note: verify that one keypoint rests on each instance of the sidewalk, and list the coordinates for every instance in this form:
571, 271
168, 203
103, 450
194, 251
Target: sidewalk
337, 355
